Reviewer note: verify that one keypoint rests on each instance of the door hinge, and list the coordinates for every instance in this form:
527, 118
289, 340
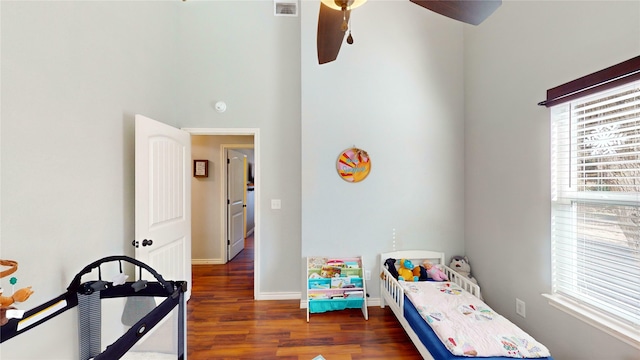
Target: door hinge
228, 242
228, 161
228, 202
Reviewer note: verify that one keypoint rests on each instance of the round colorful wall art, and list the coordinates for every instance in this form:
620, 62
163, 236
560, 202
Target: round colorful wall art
353, 165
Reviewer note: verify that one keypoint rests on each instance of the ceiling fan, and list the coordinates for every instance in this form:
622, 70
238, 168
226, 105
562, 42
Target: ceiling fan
333, 19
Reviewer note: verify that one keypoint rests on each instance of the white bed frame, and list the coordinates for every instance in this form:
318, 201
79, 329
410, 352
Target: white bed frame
393, 294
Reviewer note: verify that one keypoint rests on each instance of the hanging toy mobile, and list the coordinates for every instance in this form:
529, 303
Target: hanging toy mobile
20, 295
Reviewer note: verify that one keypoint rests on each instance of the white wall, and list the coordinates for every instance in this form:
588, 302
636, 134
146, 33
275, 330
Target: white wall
396, 93
73, 76
238, 52
511, 60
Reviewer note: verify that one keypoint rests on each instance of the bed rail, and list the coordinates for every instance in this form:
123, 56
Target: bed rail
391, 290
464, 282
393, 294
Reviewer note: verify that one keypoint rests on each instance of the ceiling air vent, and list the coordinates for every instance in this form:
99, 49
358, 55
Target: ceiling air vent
285, 7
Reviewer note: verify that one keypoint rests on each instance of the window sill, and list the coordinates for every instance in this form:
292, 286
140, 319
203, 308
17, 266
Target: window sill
615, 328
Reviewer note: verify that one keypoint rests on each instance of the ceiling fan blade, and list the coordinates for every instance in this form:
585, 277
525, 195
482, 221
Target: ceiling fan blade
468, 11
330, 36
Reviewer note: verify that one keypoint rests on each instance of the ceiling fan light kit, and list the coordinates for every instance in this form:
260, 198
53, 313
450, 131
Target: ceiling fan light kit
343, 4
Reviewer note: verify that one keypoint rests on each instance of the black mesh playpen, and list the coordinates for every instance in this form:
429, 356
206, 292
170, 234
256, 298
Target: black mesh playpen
144, 307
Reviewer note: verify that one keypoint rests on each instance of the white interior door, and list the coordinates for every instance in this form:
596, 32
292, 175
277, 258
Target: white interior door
236, 187
163, 199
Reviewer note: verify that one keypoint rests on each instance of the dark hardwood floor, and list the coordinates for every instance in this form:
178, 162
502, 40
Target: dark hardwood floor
224, 322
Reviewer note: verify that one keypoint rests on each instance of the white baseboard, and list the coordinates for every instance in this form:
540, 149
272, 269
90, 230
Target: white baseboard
373, 302
278, 296
207, 262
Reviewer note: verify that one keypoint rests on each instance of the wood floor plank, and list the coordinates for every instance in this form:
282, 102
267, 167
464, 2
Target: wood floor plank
311, 351
225, 322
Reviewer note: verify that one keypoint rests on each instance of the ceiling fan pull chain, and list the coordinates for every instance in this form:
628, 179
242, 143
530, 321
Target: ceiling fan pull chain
344, 25
349, 37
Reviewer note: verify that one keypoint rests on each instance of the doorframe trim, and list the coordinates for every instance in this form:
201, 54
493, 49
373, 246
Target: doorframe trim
255, 132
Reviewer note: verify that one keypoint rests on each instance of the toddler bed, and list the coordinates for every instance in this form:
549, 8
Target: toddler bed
141, 314
447, 320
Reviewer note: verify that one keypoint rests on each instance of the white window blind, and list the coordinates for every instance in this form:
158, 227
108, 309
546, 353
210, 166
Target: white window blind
595, 168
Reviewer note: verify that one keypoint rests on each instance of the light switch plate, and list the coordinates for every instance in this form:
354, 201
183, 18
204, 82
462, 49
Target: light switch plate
276, 204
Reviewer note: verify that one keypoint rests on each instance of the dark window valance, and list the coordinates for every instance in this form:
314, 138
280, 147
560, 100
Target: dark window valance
608, 78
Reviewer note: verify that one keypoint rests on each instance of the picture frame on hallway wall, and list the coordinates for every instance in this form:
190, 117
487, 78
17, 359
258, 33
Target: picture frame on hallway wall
200, 168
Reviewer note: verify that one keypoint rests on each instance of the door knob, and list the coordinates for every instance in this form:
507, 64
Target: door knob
146, 242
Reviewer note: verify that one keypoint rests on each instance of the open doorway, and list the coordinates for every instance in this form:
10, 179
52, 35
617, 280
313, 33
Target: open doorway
209, 194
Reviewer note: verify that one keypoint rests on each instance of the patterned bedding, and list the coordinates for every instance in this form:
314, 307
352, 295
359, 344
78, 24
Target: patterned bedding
466, 325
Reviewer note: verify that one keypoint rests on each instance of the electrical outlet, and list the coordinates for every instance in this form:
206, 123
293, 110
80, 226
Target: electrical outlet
367, 275
520, 308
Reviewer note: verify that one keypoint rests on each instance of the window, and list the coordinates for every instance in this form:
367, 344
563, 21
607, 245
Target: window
595, 201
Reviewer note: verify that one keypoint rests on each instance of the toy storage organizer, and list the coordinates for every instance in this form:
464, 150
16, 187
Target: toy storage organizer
335, 284
145, 322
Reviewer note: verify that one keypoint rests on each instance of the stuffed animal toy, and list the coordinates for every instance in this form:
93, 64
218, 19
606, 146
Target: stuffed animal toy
405, 271
330, 271
460, 264
420, 272
390, 265
19, 296
434, 272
